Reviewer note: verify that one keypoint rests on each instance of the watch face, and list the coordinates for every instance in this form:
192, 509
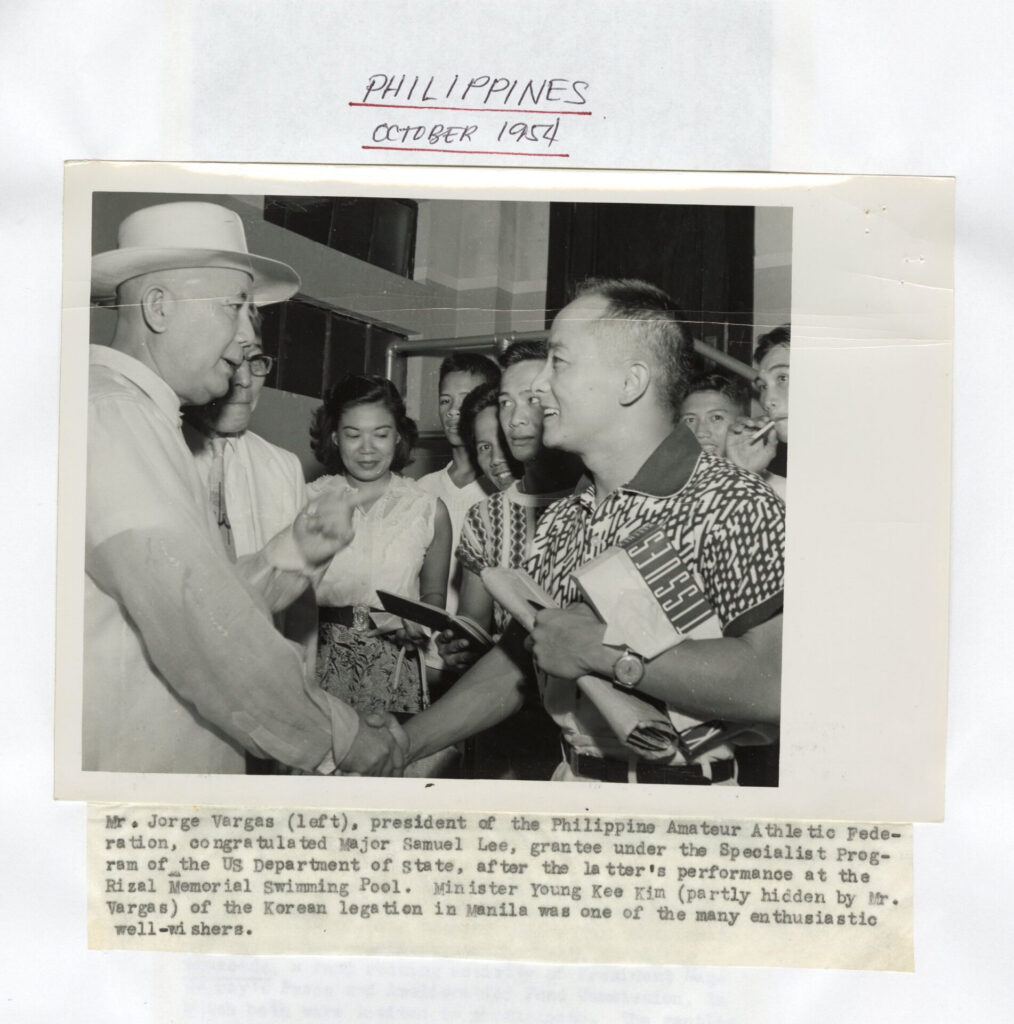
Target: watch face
629, 670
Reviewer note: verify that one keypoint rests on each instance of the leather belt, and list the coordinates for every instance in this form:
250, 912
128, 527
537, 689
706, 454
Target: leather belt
343, 616
605, 770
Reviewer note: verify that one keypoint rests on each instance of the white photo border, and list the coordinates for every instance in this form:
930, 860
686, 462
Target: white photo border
866, 609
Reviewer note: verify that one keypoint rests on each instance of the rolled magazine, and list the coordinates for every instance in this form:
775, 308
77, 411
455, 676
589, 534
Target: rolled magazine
645, 729
651, 601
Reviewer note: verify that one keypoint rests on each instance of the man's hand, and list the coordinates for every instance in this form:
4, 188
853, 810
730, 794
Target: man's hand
457, 653
744, 451
385, 720
324, 527
565, 641
375, 750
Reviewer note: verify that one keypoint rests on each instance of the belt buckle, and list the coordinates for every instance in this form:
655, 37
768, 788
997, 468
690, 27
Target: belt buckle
704, 770
675, 774
574, 757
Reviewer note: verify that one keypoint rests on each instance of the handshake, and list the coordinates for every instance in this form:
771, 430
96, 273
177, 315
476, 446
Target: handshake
380, 747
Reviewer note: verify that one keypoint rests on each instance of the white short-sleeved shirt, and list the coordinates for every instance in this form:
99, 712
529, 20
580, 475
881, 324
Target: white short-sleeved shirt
458, 501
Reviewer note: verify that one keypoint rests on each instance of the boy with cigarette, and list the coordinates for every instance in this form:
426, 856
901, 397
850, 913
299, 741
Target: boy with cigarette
717, 410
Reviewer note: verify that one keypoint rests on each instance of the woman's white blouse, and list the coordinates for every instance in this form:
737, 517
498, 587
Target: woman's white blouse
388, 549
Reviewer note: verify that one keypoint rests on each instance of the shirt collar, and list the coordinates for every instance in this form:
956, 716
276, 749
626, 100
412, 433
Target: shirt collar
664, 472
137, 373
194, 427
669, 466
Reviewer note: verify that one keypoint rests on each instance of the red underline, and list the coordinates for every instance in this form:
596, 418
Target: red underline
470, 152
478, 110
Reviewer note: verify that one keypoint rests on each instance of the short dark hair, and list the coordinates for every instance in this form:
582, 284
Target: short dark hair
485, 396
527, 350
664, 333
469, 362
734, 390
766, 342
350, 391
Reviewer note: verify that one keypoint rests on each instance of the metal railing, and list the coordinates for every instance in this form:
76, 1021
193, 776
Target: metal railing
397, 351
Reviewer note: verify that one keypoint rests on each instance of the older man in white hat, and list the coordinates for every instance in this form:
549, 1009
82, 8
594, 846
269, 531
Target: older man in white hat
184, 670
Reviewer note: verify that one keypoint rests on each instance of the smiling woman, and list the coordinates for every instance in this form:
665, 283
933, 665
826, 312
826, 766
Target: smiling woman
402, 542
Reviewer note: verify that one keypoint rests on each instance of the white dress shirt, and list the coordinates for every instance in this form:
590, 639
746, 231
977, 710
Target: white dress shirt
183, 667
264, 492
264, 485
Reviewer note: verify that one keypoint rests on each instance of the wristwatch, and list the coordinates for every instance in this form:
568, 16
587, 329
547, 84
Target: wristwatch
628, 670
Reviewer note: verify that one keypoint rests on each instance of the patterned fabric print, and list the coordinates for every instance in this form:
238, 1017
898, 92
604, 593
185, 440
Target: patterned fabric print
725, 523
499, 532
361, 671
482, 534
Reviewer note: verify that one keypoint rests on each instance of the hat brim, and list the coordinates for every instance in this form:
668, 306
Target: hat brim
273, 281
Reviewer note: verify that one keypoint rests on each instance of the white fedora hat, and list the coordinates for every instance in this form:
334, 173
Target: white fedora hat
177, 236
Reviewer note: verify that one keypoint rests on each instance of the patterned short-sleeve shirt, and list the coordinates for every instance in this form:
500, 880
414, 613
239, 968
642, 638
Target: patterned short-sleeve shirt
725, 523
727, 526
498, 532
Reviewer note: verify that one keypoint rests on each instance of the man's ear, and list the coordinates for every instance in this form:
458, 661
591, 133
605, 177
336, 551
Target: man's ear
635, 383
155, 303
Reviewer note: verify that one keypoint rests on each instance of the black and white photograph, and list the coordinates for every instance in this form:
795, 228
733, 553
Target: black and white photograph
642, 417
406, 486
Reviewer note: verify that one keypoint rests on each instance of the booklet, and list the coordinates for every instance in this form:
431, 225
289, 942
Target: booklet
435, 618
646, 595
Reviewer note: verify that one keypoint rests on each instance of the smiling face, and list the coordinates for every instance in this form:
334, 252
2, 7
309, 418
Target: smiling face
367, 438
489, 451
203, 328
772, 385
709, 414
581, 382
520, 416
453, 389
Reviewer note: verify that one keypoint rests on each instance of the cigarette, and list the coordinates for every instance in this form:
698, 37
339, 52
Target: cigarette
763, 430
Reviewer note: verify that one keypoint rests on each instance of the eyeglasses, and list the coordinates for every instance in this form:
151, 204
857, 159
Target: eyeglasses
260, 365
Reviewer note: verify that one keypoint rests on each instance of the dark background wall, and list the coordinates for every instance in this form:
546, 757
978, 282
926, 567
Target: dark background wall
703, 256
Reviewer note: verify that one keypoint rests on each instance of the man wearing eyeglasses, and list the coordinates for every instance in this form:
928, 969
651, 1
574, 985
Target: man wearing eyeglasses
262, 485
255, 488
184, 670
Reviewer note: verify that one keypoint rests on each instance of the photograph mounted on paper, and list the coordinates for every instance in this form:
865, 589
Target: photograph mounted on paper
426, 484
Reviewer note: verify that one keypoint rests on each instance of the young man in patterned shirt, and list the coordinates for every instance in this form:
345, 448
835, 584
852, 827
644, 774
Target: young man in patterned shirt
610, 393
